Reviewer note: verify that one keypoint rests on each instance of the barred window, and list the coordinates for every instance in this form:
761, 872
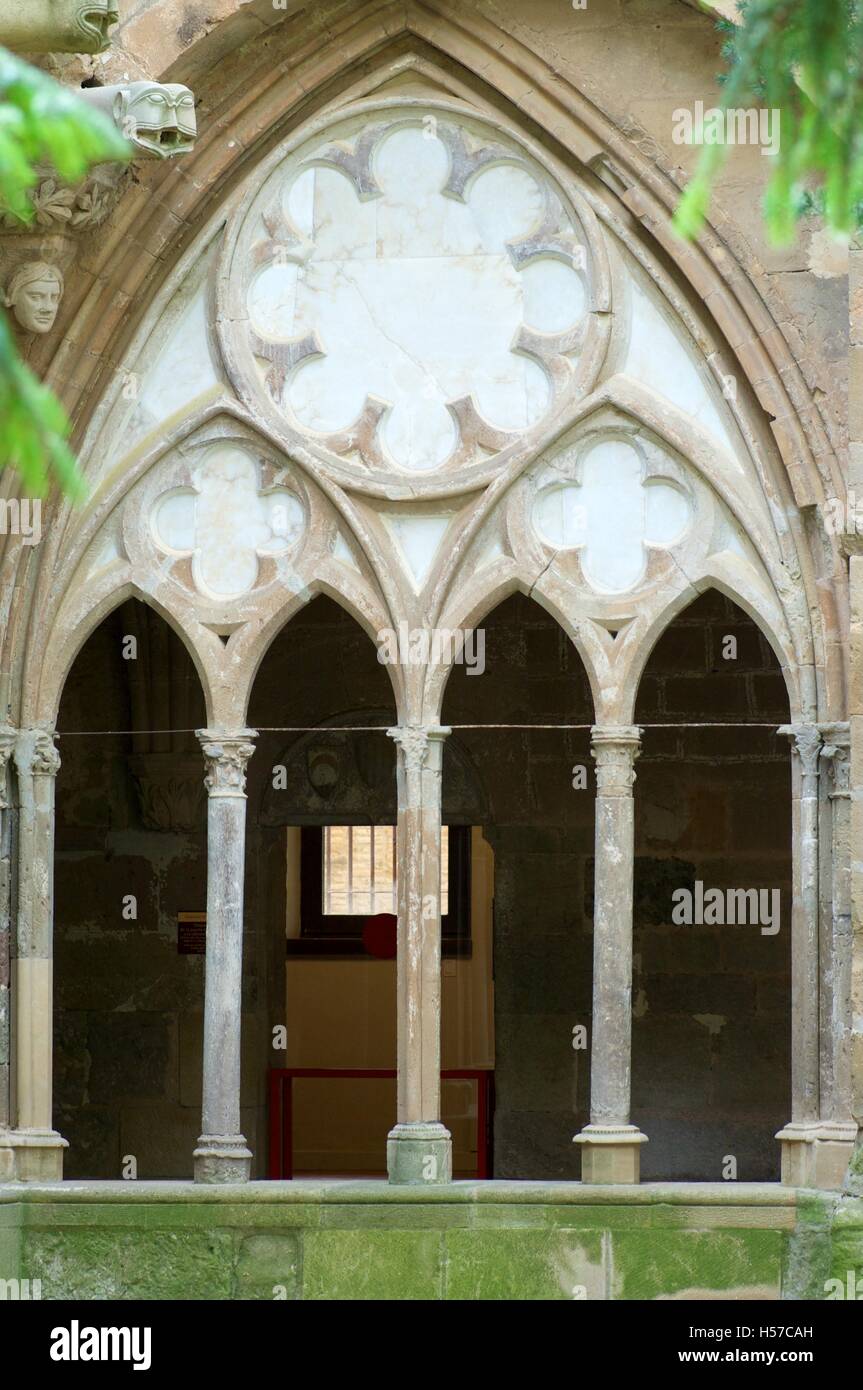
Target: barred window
359, 870
348, 874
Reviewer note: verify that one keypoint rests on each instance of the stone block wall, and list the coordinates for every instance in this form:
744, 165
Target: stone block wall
711, 1005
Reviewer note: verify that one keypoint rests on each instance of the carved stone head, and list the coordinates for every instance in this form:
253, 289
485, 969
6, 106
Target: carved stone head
57, 26
158, 118
33, 293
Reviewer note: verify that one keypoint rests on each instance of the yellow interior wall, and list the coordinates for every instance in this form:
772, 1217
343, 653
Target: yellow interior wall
342, 1013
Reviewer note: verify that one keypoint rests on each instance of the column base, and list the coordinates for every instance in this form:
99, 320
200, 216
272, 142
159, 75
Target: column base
611, 1153
853, 1183
222, 1158
419, 1155
31, 1155
817, 1154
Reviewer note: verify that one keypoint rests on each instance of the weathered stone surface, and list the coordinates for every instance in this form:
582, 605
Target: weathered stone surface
503, 1241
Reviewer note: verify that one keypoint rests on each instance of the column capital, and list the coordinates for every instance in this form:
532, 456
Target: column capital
806, 742
836, 750
614, 749
8, 737
226, 752
36, 754
414, 741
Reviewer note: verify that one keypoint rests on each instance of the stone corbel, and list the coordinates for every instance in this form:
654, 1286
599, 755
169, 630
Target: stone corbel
158, 118
57, 26
33, 281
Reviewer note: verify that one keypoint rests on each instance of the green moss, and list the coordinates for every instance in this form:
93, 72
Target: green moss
662, 1264
365, 1241
524, 1264
370, 1264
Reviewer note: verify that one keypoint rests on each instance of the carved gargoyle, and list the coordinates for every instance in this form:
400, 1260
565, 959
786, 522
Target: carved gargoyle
158, 118
57, 26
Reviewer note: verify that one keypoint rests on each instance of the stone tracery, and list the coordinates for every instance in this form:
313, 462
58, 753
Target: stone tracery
421, 295
420, 421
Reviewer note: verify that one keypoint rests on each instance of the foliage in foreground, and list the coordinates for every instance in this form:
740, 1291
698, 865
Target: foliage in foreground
804, 59
41, 123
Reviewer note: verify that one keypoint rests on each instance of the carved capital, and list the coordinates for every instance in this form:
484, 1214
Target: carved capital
226, 755
36, 754
614, 749
414, 742
836, 752
806, 744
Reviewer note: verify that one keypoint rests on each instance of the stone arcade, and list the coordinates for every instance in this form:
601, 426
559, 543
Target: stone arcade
386, 332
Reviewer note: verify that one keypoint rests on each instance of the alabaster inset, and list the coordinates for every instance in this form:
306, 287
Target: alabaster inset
33, 293
158, 118
57, 26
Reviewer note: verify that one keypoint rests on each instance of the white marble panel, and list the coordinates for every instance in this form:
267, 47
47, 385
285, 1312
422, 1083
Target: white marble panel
613, 515
225, 523
414, 298
659, 359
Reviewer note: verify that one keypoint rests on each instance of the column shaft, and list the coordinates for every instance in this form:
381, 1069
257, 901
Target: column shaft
611, 1145
419, 1149
837, 1129
38, 1147
222, 1154
799, 1137
854, 1176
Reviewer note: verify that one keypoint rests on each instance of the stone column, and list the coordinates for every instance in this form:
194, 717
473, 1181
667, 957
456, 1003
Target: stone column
854, 1176
799, 1137
222, 1155
7, 747
837, 1130
37, 1147
611, 1145
419, 1149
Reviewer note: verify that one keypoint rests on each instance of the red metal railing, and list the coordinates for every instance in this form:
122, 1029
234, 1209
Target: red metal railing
281, 1163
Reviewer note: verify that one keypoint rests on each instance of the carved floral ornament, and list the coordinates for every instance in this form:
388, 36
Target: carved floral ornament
411, 293
226, 756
